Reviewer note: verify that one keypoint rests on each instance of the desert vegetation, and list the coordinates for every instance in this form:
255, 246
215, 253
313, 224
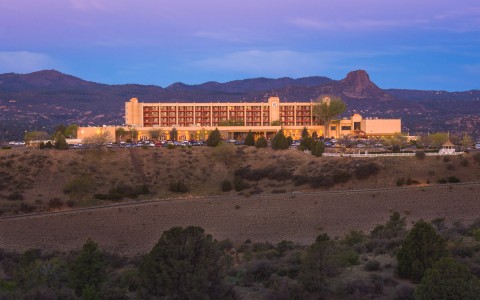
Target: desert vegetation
428, 261
38, 180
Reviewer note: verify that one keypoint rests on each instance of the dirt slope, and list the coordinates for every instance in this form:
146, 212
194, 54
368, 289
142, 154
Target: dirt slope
134, 229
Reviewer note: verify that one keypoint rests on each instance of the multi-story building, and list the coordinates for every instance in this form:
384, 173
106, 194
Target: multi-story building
234, 120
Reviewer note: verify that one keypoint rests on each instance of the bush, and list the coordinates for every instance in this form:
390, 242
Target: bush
185, 263
341, 176
239, 184
366, 170
453, 179
5, 147
249, 139
448, 279
318, 148
420, 154
214, 138
372, 265
55, 203
178, 187
15, 196
226, 186
261, 142
420, 250
476, 157
279, 141
171, 146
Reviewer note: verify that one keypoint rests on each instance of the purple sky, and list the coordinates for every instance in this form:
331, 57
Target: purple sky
427, 44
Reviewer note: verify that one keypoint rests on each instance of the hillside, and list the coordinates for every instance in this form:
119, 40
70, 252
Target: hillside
41, 100
36, 180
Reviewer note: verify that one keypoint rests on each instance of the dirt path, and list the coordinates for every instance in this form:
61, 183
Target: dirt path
134, 229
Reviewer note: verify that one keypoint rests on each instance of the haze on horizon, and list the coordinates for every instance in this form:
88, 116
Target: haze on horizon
430, 44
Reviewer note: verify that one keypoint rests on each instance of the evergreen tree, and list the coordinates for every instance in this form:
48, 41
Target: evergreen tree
420, 250
250, 139
261, 142
318, 148
448, 279
279, 141
174, 134
214, 138
60, 142
88, 270
186, 263
305, 133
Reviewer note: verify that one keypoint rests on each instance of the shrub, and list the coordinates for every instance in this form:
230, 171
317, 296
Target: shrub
366, 170
239, 184
476, 157
420, 250
226, 186
185, 263
453, 179
341, 176
178, 187
5, 147
448, 279
420, 154
261, 142
249, 139
318, 148
279, 141
15, 196
55, 203
400, 181
464, 162
214, 138
171, 146
372, 265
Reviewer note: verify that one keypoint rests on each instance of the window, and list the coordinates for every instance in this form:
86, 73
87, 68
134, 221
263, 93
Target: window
346, 127
333, 127
356, 126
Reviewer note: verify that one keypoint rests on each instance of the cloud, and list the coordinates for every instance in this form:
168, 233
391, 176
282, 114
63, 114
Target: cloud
361, 24
87, 5
25, 62
279, 63
232, 36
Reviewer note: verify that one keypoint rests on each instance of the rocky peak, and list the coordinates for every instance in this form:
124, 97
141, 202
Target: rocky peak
357, 84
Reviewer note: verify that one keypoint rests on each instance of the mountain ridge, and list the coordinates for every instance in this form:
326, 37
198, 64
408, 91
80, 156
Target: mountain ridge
42, 99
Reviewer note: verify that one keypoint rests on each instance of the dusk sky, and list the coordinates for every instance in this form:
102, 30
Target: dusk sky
421, 44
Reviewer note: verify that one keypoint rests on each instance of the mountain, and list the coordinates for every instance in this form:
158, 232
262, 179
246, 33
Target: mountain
42, 99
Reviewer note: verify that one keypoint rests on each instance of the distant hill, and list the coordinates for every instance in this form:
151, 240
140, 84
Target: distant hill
42, 99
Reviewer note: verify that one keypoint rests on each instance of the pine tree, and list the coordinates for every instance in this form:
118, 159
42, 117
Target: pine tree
279, 141
214, 138
420, 250
250, 139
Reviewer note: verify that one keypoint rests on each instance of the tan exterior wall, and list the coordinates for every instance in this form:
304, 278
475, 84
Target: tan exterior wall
85, 132
381, 126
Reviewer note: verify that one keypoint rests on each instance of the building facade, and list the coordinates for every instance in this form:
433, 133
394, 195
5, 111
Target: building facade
234, 120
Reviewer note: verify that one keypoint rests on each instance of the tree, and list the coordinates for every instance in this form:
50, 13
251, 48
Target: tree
467, 141
279, 141
119, 133
214, 138
420, 250
133, 133
327, 108
174, 134
35, 136
305, 133
185, 263
249, 139
71, 131
276, 123
155, 133
87, 271
261, 142
60, 142
98, 139
435, 140
448, 279
318, 148
306, 143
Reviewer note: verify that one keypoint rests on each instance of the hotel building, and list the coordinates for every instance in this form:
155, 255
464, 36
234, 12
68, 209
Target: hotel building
234, 120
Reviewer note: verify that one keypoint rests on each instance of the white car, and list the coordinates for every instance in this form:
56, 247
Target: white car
477, 146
